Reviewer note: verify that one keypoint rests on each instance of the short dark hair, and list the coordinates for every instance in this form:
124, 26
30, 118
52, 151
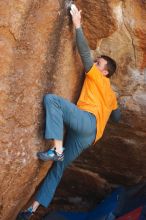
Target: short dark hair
111, 65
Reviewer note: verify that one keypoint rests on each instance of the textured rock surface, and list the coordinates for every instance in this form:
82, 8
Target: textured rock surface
38, 55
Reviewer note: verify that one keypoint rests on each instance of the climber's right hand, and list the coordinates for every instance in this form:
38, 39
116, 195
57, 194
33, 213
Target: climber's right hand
76, 16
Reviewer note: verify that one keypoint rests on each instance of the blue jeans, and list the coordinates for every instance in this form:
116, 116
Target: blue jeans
81, 132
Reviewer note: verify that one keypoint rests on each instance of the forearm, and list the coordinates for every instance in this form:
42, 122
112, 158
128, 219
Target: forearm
116, 115
83, 49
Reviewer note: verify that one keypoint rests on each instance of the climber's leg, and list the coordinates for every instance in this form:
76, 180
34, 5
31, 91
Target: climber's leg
60, 111
74, 144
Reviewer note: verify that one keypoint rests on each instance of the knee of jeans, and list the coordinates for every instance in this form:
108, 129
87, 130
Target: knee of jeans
48, 98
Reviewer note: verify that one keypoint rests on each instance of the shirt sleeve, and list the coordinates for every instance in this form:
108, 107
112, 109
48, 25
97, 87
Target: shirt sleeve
94, 73
83, 49
114, 104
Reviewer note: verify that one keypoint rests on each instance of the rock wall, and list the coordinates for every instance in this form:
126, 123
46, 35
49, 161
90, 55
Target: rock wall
38, 55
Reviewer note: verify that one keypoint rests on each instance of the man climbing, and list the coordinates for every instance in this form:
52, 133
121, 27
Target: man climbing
85, 121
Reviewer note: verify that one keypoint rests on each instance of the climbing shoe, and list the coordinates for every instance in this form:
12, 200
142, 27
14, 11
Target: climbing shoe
50, 155
24, 215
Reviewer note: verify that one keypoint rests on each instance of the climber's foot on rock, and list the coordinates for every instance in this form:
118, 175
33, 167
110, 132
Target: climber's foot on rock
50, 155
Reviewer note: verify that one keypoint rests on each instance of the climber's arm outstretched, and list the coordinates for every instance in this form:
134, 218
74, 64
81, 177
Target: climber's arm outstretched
81, 41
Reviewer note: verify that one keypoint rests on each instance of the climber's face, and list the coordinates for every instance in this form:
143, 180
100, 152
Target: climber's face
101, 64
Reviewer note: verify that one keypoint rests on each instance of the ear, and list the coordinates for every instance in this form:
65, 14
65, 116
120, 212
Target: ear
105, 72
